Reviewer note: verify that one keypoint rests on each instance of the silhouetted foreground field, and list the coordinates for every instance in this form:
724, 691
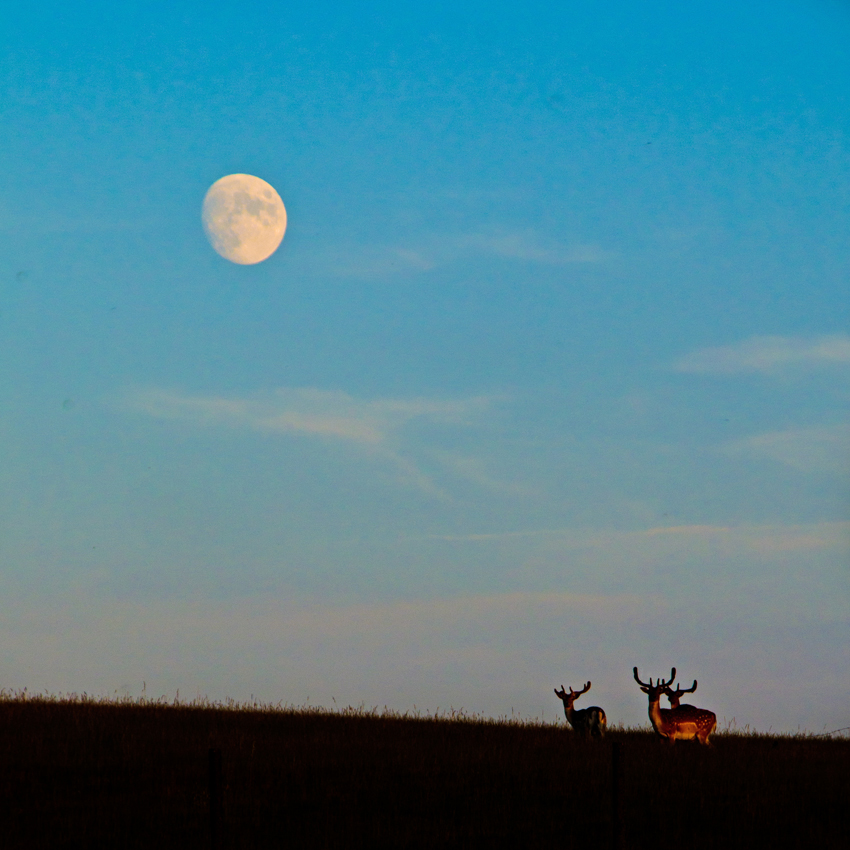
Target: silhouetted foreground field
137, 774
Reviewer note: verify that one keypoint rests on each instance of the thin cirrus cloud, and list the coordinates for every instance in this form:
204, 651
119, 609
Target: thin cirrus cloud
680, 543
380, 261
768, 355
371, 425
823, 450
308, 411
525, 245
520, 245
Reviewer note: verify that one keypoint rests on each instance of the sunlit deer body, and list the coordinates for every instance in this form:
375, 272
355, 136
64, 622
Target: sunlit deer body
585, 721
685, 722
675, 696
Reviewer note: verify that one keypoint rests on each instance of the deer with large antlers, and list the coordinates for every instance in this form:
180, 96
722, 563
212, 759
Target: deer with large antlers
585, 721
675, 696
685, 722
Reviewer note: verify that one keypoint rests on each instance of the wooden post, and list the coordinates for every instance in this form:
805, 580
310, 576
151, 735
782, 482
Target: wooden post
617, 796
215, 795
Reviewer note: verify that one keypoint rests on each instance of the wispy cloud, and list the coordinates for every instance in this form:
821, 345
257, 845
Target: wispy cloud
759, 540
381, 261
806, 449
526, 245
313, 412
442, 249
375, 425
767, 354
478, 472
683, 541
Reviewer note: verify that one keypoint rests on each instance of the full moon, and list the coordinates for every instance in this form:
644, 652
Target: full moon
244, 218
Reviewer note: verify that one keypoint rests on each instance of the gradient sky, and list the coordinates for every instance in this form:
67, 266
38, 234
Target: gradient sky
548, 379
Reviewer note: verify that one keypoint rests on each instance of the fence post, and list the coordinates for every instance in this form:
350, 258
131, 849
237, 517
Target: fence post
215, 796
617, 796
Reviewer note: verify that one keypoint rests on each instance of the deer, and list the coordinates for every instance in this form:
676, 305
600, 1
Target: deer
585, 721
675, 696
685, 722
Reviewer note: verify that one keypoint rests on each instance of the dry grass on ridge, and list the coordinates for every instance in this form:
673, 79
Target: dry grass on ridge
134, 772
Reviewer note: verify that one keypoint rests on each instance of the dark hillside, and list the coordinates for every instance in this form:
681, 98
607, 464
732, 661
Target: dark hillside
96, 774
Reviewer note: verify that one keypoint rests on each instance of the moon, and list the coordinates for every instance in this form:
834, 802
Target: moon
244, 218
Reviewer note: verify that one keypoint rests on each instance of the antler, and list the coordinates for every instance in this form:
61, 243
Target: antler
676, 696
660, 683
584, 690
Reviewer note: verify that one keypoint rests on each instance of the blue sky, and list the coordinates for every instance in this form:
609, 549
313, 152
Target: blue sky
548, 379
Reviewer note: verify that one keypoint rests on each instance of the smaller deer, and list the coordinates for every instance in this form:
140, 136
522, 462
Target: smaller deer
585, 721
675, 696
